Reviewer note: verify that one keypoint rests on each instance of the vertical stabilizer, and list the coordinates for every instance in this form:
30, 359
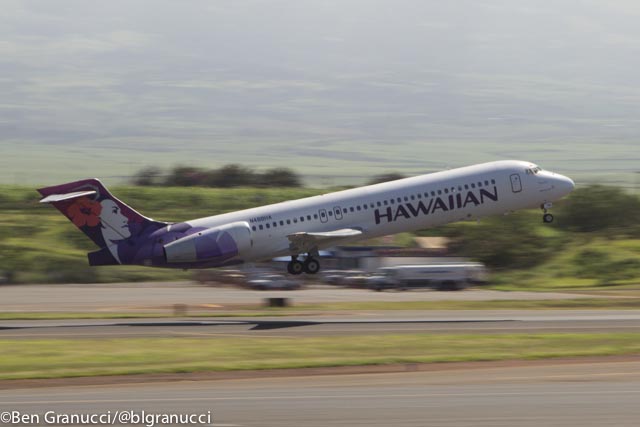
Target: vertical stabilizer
97, 213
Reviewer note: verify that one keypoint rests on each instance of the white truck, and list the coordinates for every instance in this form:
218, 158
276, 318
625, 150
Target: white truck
442, 277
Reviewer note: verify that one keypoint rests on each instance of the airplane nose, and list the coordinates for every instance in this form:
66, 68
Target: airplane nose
565, 184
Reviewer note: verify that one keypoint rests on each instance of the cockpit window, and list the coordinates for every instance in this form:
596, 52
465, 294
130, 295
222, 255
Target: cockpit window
533, 171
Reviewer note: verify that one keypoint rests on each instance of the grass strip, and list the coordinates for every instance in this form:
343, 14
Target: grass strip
28, 358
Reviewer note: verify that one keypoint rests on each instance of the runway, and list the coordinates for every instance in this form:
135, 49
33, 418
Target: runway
519, 393
388, 322
140, 297
589, 394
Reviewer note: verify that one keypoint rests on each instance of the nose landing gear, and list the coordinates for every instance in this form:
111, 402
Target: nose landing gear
309, 266
547, 218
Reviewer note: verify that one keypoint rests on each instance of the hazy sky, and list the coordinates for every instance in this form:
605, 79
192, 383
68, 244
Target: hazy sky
351, 87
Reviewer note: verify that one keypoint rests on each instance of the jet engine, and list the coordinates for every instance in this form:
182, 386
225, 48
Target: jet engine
213, 244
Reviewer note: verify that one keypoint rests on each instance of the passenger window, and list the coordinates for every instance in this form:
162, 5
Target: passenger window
275, 224
466, 186
253, 228
288, 221
281, 222
480, 184
301, 219
385, 202
392, 201
493, 181
351, 209
433, 194
406, 199
379, 204
439, 192
330, 213
267, 225
486, 183
308, 217
399, 199
413, 197
315, 216
322, 214
295, 220
365, 207
473, 185
260, 226
358, 207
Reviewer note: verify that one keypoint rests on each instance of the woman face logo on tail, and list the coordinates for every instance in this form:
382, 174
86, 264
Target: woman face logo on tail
115, 226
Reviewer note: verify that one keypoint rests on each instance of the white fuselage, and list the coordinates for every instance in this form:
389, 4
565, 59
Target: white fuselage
408, 204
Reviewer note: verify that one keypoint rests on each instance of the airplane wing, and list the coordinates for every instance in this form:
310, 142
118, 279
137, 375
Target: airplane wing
308, 241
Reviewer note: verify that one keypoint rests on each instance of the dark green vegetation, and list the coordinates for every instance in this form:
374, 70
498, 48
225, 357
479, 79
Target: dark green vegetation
595, 240
69, 358
225, 177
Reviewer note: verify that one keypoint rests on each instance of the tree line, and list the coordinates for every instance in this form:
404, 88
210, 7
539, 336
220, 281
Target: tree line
227, 176
231, 175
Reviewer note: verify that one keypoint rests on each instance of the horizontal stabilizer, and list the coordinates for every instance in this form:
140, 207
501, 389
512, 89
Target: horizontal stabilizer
60, 197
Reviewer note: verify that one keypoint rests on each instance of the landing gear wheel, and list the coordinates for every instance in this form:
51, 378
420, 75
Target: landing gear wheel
547, 218
311, 266
295, 267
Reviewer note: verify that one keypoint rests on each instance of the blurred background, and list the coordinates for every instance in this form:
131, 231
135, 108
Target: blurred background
304, 98
338, 90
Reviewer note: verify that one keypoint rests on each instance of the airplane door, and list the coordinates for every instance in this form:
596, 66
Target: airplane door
337, 212
323, 215
516, 184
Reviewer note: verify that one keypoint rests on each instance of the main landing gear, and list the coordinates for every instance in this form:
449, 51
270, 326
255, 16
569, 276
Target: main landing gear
547, 218
310, 265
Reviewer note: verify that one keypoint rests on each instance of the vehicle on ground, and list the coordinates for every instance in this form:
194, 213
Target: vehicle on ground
339, 277
357, 280
301, 228
270, 282
442, 277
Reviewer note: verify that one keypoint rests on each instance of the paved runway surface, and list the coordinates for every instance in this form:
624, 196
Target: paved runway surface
162, 296
554, 394
593, 394
392, 322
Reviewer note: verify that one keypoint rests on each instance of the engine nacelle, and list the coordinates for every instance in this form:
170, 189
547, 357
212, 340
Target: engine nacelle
220, 243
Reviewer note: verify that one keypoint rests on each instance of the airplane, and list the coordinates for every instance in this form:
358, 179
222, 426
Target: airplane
301, 228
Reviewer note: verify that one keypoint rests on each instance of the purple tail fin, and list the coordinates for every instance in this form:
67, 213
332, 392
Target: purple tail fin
96, 212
